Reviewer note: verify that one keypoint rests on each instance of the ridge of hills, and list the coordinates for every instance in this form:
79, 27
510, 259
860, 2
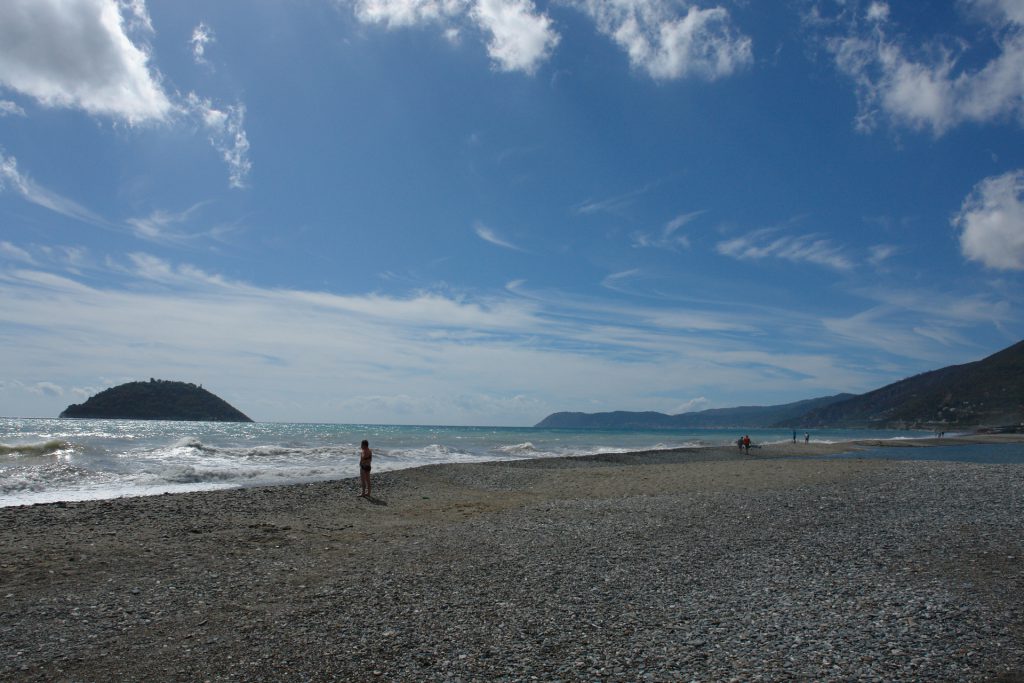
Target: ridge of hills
742, 416
157, 399
987, 392
984, 393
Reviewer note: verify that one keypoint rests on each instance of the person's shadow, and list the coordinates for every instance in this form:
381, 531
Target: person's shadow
375, 501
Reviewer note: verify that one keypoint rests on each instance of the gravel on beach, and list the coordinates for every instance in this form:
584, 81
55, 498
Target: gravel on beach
683, 566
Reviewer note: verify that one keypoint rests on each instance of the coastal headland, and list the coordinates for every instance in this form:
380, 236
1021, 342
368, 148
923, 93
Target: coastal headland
704, 565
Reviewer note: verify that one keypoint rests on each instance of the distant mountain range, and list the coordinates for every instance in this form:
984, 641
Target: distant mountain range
988, 392
743, 416
157, 399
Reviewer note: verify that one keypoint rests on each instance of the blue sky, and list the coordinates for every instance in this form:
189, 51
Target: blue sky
484, 211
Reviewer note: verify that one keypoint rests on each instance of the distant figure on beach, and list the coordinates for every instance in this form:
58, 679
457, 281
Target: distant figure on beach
746, 443
807, 437
794, 436
365, 457
739, 443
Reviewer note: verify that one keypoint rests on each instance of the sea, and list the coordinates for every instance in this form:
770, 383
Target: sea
50, 460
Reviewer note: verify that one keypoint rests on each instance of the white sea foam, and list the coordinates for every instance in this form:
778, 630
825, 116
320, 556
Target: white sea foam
49, 447
53, 460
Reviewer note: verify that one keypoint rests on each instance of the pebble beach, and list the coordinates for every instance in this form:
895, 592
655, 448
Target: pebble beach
684, 565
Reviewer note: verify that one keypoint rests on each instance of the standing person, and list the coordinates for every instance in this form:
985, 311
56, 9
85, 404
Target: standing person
365, 458
794, 436
746, 443
807, 437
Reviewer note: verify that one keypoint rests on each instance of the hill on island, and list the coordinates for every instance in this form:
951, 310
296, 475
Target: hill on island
984, 393
157, 399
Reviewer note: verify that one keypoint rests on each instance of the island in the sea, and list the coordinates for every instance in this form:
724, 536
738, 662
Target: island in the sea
157, 399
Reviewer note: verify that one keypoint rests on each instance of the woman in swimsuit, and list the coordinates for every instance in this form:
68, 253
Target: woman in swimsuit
365, 456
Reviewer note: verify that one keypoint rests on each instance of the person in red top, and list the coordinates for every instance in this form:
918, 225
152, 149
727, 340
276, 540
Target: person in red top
746, 443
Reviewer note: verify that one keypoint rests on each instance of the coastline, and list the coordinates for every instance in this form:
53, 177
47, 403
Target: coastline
694, 563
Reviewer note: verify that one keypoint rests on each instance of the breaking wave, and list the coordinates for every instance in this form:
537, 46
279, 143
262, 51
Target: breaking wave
51, 447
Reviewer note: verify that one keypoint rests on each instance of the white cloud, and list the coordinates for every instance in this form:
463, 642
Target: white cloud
931, 90
47, 389
701, 43
520, 38
202, 35
878, 11
693, 405
226, 129
660, 38
991, 221
488, 235
8, 108
799, 249
76, 53
405, 13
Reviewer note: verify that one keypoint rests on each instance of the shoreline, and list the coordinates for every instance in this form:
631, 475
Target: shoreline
652, 565
783, 448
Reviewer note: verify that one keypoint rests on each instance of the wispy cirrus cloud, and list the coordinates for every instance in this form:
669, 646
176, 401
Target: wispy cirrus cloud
488, 235
16, 253
616, 204
668, 237
163, 226
158, 226
12, 177
505, 358
767, 243
225, 126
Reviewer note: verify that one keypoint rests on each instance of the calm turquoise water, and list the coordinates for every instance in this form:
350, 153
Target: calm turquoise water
45, 460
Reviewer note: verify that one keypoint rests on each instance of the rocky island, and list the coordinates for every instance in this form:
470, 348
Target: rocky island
157, 399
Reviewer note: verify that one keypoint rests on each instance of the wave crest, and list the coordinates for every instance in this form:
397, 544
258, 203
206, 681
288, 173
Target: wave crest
525, 447
50, 447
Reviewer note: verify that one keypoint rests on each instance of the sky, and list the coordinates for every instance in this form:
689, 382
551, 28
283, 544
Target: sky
480, 212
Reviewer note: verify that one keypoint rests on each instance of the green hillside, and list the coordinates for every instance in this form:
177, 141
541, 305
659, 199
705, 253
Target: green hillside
748, 417
988, 392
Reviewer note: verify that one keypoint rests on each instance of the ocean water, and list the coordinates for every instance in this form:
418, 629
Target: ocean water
48, 460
